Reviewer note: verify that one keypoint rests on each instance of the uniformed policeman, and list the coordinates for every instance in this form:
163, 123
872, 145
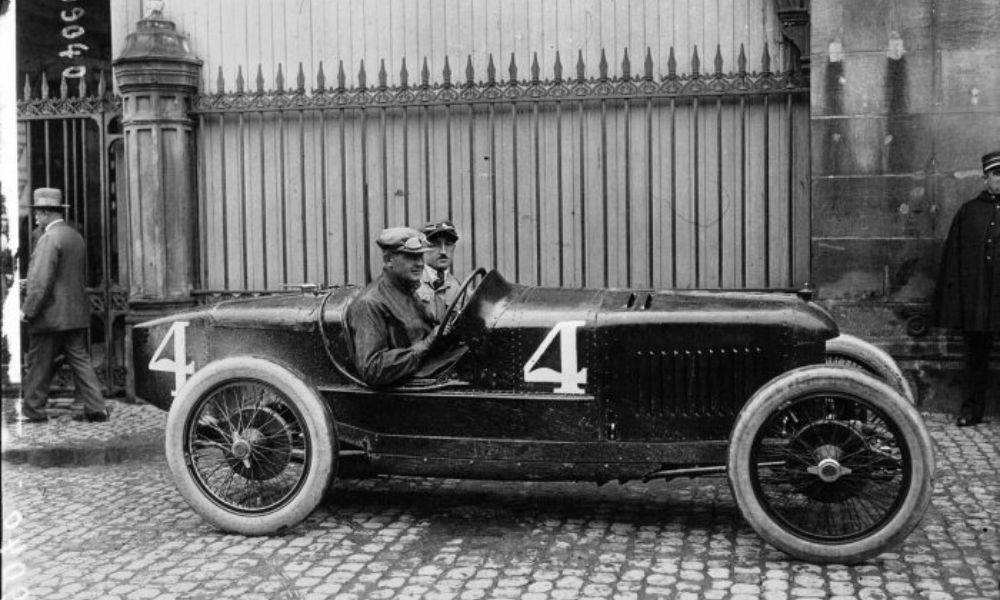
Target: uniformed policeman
388, 327
438, 286
968, 288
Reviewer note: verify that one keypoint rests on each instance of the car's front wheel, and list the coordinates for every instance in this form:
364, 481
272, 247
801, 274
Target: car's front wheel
829, 465
250, 446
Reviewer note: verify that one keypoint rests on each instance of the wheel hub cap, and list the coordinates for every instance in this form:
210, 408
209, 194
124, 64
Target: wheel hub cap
829, 470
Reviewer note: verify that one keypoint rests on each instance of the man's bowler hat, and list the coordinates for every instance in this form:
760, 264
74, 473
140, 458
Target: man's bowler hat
403, 239
48, 199
991, 161
441, 228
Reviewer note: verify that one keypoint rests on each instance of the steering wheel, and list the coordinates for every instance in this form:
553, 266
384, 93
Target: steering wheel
451, 314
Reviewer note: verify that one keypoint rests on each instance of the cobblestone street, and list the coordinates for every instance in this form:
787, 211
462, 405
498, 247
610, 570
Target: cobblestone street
123, 531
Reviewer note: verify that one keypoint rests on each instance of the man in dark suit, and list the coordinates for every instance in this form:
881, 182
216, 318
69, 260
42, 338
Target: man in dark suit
968, 288
57, 312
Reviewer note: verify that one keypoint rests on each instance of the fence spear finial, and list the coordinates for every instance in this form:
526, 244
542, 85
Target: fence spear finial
280, 80
535, 71
383, 77
300, 80
470, 74
557, 68
626, 66
404, 75
671, 64
260, 79
766, 60
580, 75
491, 71
341, 76
220, 82
239, 79
648, 65
81, 91
63, 87
27, 87
446, 72
512, 70
320, 79
718, 60
362, 78
695, 62
425, 75
741, 62
602, 67
102, 84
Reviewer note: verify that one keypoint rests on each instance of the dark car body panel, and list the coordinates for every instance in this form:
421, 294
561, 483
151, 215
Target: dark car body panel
665, 375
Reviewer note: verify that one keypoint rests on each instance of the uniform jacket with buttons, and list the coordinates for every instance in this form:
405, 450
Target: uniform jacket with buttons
56, 297
967, 296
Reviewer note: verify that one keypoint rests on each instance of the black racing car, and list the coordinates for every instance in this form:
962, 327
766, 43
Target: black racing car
826, 455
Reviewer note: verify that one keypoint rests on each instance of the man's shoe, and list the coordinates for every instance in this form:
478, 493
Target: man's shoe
97, 417
967, 420
44, 419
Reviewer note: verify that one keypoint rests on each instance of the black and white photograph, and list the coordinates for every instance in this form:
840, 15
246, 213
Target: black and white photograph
500, 299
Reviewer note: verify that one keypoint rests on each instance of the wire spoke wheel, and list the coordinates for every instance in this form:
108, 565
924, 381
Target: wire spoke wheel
830, 465
247, 447
250, 445
830, 468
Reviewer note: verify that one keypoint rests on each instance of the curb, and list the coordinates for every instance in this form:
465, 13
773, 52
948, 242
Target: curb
112, 451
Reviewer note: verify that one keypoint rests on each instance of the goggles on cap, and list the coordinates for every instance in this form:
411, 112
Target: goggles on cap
413, 243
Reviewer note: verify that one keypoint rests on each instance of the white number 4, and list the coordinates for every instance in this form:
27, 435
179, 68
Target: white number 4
178, 365
568, 377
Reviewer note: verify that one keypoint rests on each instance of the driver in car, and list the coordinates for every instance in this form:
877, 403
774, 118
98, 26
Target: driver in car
390, 329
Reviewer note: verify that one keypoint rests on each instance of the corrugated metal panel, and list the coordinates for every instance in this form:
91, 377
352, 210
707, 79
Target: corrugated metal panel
229, 34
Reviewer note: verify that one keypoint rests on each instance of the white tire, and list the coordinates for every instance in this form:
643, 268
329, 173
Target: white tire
830, 465
850, 351
251, 447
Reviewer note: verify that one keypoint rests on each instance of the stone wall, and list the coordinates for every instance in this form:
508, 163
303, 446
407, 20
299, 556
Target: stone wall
905, 100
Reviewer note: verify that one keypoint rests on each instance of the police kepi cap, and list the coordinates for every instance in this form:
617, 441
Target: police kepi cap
403, 239
49, 199
991, 161
444, 228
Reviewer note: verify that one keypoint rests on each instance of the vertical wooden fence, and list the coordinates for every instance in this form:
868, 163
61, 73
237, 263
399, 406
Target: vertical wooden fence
694, 180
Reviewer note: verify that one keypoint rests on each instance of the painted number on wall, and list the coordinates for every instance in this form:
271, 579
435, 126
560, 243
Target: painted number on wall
178, 365
568, 377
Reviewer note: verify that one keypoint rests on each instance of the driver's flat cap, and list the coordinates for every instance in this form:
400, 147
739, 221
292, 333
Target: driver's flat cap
403, 239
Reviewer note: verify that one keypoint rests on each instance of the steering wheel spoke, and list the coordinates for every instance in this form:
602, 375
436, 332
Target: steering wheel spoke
454, 309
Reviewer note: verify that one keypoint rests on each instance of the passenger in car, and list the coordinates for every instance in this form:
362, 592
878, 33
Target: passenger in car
438, 286
389, 328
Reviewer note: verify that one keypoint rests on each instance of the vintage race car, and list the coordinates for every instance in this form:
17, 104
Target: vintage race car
826, 455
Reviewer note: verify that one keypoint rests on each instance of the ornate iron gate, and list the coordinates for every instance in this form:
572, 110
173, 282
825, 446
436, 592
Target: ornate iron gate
72, 141
671, 180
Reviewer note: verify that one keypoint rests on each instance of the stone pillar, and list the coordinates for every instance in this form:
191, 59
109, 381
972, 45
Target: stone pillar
157, 74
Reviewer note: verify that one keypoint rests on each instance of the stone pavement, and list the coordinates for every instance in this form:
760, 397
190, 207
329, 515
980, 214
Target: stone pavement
134, 431
122, 532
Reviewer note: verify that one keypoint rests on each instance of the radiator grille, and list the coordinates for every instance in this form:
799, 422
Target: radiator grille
696, 383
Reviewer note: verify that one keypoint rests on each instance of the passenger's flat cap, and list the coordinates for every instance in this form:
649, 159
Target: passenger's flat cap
403, 239
991, 161
48, 199
443, 227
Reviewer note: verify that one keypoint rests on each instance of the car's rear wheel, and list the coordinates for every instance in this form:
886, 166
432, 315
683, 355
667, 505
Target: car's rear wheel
850, 351
250, 446
830, 465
